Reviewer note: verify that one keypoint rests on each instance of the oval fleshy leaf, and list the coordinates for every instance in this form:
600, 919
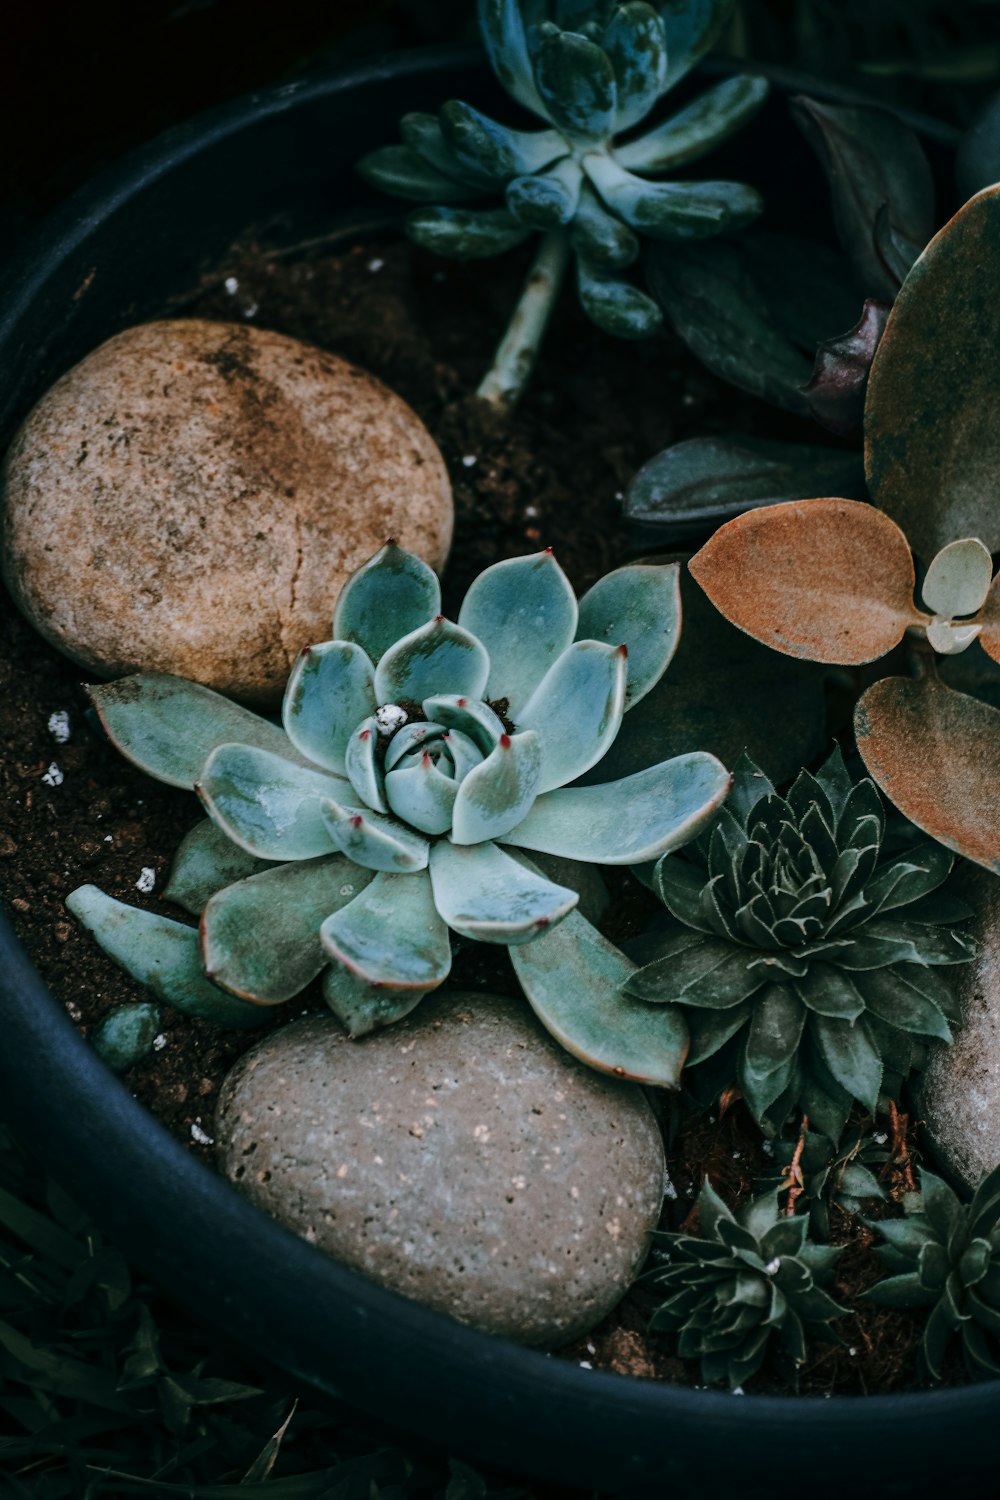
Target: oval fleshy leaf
936, 754
421, 794
260, 938
401, 171
438, 658
362, 1008
576, 710
636, 42
330, 691
389, 596
502, 29
958, 579
628, 821
616, 306
486, 895
206, 862
362, 766
577, 84
423, 134
572, 978
466, 233
673, 210
827, 580
702, 125
546, 200
163, 955
373, 841
604, 241
692, 29
638, 607
391, 934
951, 639
471, 716
524, 612
169, 727
932, 444
990, 621
495, 150
496, 794
271, 807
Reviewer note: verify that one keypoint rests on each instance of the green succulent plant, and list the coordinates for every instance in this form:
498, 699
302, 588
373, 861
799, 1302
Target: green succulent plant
831, 1173
805, 946
592, 70
945, 1255
414, 754
740, 1282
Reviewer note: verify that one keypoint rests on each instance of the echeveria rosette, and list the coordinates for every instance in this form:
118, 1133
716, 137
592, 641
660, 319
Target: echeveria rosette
945, 1255
805, 945
592, 72
417, 758
744, 1282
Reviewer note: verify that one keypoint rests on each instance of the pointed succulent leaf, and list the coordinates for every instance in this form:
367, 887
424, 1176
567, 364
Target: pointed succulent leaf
362, 767
270, 806
958, 579
423, 134
851, 1055
439, 657
932, 445
936, 755
576, 710
774, 1031
205, 862
470, 716
890, 997
546, 200
830, 580
362, 1008
827, 991
673, 210
373, 841
625, 822
501, 26
698, 128
577, 83
616, 306
599, 237
913, 875
420, 793
389, 596
260, 937
638, 606
466, 233
712, 1029
525, 613
483, 145
163, 955
484, 894
712, 974
330, 691
403, 172
572, 978
636, 42
168, 727
835, 392
496, 794
391, 935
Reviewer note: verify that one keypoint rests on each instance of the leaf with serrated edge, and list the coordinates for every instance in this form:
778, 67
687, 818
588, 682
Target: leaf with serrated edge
827, 580
525, 613
485, 894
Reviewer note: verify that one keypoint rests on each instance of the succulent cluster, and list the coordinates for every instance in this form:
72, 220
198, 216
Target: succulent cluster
415, 752
806, 945
945, 1256
740, 1282
592, 71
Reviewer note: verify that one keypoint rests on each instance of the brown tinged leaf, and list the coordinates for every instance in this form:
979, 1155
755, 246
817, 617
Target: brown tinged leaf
836, 392
936, 754
829, 580
989, 618
932, 444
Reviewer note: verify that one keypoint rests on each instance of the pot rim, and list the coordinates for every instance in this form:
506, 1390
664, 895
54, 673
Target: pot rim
190, 1229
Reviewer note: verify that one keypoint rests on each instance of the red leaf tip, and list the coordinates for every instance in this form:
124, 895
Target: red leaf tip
623, 649
505, 742
357, 820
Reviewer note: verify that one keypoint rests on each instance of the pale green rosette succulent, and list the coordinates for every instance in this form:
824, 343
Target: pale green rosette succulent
417, 757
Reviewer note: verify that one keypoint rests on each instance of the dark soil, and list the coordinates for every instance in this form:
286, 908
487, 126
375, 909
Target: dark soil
73, 811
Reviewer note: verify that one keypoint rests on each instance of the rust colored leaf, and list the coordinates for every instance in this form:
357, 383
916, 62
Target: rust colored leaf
932, 439
829, 580
936, 754
989, 618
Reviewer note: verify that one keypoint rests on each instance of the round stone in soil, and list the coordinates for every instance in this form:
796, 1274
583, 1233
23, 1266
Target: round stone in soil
958, 1094
191, 497
460, 1157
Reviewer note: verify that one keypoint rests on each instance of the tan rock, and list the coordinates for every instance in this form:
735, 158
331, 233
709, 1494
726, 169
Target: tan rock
191, 497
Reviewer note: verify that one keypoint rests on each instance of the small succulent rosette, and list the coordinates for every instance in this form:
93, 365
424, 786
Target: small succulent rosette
807, 950
417, 759
742, 1282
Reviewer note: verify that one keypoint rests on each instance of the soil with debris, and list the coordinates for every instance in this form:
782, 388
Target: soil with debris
73, 811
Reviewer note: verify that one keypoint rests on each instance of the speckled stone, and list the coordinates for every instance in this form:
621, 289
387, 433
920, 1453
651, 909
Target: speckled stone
460, 1157
191, 497
958, 1095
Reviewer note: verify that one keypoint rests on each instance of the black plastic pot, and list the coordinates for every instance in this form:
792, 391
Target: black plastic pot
280, 163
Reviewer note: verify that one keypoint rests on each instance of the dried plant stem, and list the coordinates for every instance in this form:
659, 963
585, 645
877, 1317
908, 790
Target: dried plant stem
795, 1183
515, 358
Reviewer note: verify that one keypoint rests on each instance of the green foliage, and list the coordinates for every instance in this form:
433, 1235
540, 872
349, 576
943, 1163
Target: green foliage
807, 944
743, 1282
829, 1173
945, 1256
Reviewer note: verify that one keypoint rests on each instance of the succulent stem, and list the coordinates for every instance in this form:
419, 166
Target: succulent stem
517, 351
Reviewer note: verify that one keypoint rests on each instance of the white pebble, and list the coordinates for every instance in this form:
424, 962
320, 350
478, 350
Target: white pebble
59, 726
773, 1266
389, 717
469, 460
53, 776
159, 1042
585, 1364
669, 1191
375, 265
232, 285
201, 1136
146, 880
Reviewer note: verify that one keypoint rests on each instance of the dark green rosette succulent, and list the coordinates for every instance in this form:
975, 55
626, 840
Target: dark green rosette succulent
741, 1280
803, 941
591, 71
945, 1255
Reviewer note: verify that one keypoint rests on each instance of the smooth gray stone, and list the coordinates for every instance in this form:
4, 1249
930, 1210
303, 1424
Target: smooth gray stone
459, 1157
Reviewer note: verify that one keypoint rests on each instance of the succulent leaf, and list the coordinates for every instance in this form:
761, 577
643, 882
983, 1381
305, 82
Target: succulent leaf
576, 710
616, 306
269, 806
466, 233
495, 795
576, 80
636, 45
391, 935
260, 937
692, 28
362, 766
390, 595
639, 607
958, 579
205, 862
424, 135
373, 841
499, 153
673, 210
602, 240
502, 29
162, 954
403, 172
439, 657
525, 613
549, 199
331, 688
469, 716
701, 126
484, 894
